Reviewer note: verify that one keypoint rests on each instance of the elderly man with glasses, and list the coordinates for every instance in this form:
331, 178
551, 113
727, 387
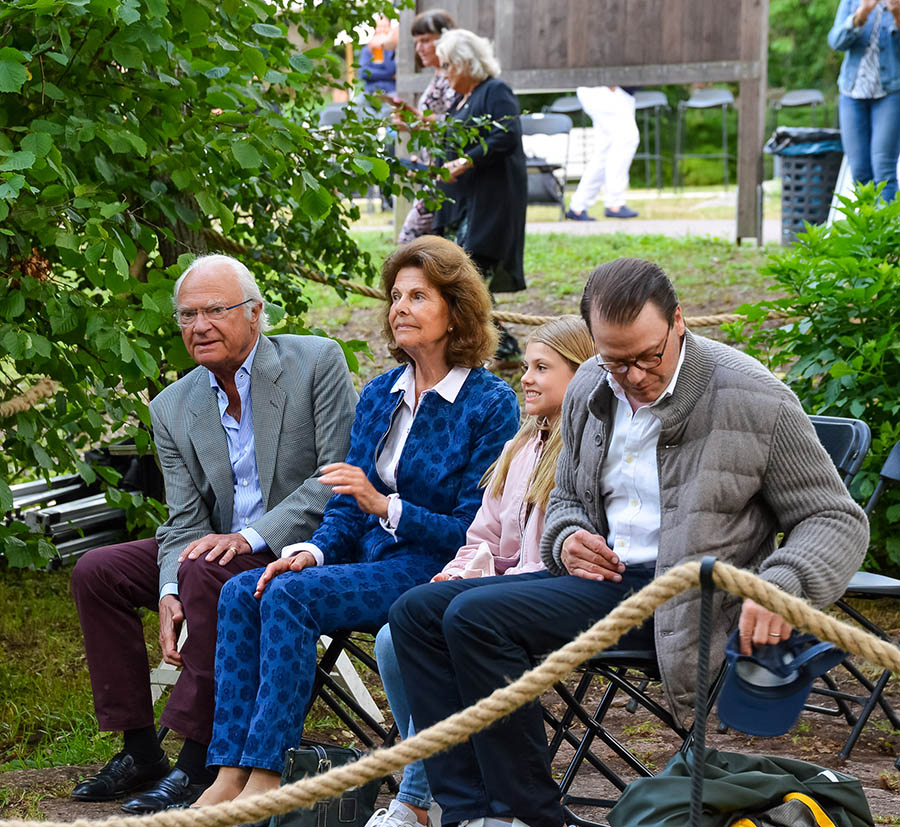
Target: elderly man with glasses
240, 439
674, 447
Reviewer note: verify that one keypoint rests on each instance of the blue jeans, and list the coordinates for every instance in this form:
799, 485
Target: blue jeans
414, 787
870, 131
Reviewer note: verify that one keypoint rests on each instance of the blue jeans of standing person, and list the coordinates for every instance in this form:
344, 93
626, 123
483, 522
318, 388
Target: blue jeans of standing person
414, 787
459, 640
870, 132
266, 648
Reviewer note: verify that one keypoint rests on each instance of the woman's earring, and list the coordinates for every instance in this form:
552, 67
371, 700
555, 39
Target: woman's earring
449, 328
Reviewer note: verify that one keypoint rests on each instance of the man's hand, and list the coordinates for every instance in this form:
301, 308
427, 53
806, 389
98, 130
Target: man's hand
759, 626
223, 546
296, 563
171, 616
349, 479
587, 555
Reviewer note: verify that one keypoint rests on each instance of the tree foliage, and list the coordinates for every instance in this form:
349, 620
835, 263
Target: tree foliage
799, 54
842, 353
126, 128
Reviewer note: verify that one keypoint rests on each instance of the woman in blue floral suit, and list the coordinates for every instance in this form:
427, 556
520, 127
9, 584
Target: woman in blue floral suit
423, 435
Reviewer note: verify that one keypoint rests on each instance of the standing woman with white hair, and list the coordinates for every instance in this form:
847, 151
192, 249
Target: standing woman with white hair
489, 181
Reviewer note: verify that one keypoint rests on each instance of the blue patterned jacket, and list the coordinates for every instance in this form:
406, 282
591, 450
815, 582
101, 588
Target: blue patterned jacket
446, 453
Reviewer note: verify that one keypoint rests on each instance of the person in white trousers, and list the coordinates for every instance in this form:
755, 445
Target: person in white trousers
616, 139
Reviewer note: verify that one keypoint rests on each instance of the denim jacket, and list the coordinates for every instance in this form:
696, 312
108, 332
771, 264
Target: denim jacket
854, 41
448, 449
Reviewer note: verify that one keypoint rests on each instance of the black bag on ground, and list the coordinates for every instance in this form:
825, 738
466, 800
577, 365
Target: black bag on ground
736, 790
352, 809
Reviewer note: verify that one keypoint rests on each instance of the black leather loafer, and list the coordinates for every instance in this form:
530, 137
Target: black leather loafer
173, 790
119, 777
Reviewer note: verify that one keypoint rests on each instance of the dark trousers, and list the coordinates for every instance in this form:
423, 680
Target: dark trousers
108, 585
459, 640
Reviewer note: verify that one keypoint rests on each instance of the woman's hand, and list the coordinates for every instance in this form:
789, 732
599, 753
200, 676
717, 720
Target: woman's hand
865, 9
296, 563
349, 479
893, 6
457, 167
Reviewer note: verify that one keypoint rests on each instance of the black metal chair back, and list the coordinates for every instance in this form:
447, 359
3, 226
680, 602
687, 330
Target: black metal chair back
846, 440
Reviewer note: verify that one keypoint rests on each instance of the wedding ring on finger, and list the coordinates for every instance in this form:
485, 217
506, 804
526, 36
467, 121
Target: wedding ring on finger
232, 549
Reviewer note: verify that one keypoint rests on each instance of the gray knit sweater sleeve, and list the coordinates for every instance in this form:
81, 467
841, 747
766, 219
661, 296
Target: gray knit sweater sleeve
826, 532
565, 510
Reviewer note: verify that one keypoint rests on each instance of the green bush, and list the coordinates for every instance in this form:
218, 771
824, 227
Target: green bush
841, 349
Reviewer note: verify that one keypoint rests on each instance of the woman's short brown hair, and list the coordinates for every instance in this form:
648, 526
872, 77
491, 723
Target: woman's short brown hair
472, 337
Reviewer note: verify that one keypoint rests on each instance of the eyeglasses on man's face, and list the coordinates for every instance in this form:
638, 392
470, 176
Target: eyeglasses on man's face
188, 316
646, 362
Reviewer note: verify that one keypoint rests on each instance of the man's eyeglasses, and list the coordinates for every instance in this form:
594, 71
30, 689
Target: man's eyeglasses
186, 318
648, 362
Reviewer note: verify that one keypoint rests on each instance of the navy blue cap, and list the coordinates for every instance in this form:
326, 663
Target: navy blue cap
764, 693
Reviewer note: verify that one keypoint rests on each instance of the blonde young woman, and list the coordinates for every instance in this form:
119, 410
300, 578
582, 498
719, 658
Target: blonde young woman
505, 536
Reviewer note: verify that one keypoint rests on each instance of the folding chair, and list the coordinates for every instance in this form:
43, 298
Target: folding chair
544, 186
847, 442
357, 711
626, 671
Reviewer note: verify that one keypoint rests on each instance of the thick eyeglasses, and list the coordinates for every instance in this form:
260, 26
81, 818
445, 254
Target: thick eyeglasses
186, 318
642, 362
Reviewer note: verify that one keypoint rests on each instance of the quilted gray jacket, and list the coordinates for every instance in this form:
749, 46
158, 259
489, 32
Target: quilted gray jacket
739, 463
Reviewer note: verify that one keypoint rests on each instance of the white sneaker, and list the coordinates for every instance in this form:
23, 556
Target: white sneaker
397, 814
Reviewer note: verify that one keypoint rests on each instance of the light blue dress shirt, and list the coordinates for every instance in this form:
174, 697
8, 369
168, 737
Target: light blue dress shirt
248, 499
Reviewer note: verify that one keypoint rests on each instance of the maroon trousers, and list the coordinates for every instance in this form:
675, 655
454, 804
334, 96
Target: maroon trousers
108, 585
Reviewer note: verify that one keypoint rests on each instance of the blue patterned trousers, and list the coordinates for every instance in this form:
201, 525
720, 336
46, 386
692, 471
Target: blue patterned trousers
266, 648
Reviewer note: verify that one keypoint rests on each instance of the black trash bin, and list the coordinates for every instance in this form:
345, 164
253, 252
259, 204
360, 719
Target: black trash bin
811, 159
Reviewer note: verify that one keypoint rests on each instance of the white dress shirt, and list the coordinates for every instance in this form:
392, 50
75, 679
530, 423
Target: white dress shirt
629, 480
392, 448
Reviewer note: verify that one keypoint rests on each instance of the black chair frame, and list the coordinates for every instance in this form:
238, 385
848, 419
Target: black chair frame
625, 671
847, 442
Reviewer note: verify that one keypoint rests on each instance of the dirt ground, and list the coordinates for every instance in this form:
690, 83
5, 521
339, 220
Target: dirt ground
816, 738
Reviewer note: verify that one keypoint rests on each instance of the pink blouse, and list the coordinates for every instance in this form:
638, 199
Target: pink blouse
502, 540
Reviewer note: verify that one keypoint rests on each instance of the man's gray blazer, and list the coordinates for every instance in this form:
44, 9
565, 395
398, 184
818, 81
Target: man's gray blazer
303, 405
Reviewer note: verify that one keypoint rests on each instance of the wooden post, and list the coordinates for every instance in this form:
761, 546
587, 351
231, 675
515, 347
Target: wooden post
348, 57
752, 120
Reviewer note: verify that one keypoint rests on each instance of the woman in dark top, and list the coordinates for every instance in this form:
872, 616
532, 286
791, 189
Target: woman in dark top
489, 184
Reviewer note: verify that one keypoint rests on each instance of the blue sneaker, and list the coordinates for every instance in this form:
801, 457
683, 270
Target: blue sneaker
578, 216
622, 212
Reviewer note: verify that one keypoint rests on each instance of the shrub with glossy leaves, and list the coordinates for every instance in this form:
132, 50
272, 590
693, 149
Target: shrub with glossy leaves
841, 349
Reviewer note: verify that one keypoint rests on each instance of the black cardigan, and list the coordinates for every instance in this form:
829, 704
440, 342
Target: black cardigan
494, 193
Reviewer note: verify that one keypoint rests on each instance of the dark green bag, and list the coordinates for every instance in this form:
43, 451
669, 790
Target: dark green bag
352, 809
737, 785
736, 789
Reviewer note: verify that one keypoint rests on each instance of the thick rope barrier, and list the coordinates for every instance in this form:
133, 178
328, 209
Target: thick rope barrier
227, 245
458, 727
42, 389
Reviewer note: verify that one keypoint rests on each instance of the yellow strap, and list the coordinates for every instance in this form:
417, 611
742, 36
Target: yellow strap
821, 819
742, 822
